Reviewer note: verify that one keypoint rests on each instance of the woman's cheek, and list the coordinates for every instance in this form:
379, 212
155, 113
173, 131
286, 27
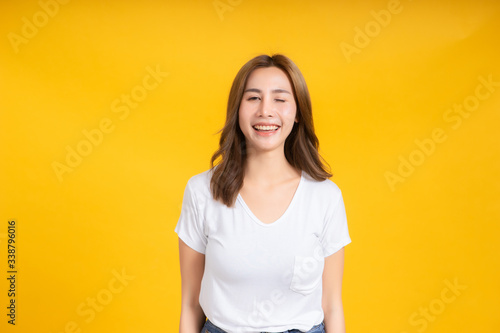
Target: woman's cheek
288, 112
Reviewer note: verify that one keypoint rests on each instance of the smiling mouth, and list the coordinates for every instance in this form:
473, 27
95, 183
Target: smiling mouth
271, 128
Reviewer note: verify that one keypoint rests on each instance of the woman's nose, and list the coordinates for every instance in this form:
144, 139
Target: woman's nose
266, 107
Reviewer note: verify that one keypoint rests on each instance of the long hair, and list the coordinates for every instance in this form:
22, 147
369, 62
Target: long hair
301, 145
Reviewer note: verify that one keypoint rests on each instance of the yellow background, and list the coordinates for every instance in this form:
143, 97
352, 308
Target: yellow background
116, 211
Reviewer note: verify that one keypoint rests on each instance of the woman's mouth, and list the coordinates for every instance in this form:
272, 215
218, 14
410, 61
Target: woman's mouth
268, 129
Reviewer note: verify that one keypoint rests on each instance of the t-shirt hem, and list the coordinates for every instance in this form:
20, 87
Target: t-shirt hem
283, 328
191, 244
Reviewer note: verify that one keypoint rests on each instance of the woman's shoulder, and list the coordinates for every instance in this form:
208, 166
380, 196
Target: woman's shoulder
200, 178
200, 183
321, 188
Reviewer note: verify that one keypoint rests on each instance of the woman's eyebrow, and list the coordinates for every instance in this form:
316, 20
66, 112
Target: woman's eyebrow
279, 90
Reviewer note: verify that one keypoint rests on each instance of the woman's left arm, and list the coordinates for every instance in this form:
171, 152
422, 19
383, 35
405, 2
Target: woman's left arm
332, 293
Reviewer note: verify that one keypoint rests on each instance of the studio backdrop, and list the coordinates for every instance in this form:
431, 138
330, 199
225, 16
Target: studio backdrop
107, 108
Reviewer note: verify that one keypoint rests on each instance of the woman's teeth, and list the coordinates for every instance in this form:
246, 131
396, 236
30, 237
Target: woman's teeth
266, 128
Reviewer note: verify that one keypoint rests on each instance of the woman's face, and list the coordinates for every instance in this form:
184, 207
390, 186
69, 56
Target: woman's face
267, 110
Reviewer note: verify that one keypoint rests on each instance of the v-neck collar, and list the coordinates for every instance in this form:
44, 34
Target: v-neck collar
290, 205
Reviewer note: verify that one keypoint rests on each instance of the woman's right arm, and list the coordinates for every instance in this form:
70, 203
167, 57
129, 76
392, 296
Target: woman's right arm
192, 266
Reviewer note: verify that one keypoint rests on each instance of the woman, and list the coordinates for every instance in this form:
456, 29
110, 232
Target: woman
262, 232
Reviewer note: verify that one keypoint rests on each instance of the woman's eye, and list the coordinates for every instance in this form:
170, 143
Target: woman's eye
253, 98
280, 100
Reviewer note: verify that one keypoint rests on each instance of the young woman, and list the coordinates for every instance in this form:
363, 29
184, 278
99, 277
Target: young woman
262, 232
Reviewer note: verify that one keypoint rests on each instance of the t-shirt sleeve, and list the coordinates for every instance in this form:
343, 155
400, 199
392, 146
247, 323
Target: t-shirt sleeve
190, 224
335, 233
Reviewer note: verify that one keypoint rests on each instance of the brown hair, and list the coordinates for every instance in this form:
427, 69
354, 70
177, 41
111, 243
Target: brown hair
301, 145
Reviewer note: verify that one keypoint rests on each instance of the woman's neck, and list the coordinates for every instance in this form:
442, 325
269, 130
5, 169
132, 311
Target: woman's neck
267, 168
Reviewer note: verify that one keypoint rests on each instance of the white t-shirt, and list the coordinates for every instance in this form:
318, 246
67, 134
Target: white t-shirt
263, 277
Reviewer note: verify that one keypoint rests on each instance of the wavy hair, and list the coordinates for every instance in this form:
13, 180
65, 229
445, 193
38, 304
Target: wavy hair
301, 145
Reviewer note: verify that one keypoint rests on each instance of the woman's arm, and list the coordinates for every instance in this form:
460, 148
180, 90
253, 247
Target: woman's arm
332, 293
192, 266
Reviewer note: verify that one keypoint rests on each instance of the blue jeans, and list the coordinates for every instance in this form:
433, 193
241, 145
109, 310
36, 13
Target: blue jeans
211, 328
